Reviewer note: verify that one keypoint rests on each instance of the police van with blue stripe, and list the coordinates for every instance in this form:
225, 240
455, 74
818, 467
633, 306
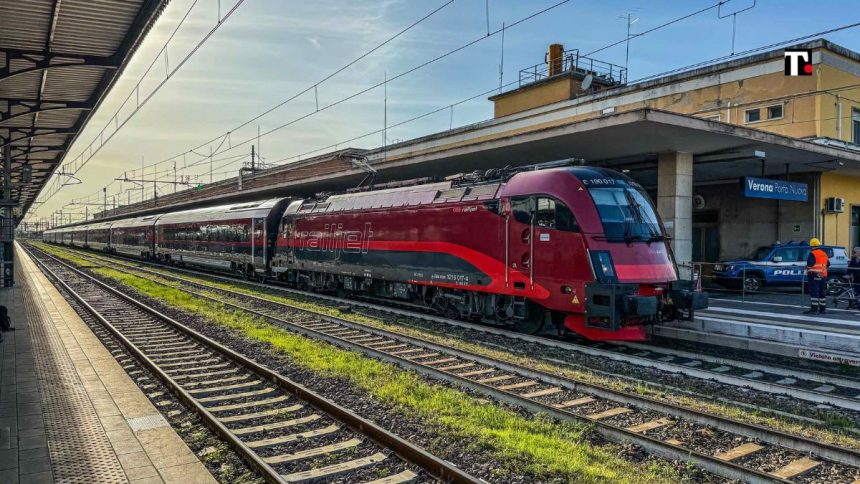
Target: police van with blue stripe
779, 264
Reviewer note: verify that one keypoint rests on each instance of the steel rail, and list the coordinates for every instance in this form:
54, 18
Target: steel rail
740, 381
438, 468
718, 466
210, 421
838, 454
835, 453
765, 386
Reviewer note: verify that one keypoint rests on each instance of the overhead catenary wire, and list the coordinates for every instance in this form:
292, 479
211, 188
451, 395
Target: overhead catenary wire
308, 89
766, 47
502, 30
158, 176
398, 76
769, 46
57, 184
750, 51
500, 87
758, 49
661, 26
365, 90
225, 136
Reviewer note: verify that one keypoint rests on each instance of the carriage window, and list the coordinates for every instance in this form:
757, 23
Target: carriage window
545, 216
493, 206
564, 218
553, 214
549, 213
521, 208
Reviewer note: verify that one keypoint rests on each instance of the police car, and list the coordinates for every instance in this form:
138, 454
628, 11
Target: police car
779, 264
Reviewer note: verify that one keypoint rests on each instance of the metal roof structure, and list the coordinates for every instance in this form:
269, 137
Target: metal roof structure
58, 60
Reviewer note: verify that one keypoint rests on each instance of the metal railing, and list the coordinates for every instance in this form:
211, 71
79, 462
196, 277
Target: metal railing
604, 73
751, 285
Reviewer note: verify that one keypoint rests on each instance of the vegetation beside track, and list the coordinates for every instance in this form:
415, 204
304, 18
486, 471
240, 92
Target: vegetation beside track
556, 450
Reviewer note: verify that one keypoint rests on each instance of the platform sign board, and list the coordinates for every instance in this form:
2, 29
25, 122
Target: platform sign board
775, 189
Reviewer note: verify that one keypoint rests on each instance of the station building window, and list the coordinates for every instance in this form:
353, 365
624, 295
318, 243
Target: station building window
752, 115
855, 126
774, 112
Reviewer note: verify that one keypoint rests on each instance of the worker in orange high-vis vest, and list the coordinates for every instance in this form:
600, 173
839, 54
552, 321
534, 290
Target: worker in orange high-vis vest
816, 277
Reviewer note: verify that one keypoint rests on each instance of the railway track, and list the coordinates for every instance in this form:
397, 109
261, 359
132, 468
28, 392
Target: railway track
808, 385
282, 429
730, 448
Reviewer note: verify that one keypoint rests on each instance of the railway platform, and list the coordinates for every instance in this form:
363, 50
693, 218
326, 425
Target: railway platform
777, 327
68, 410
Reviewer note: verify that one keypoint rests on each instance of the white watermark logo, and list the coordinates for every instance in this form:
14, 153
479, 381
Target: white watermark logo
798, 62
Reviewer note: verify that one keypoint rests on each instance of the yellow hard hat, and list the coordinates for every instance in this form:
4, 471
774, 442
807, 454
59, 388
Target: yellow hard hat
813, 242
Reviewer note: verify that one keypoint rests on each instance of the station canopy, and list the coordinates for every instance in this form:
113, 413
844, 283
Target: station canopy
58, 60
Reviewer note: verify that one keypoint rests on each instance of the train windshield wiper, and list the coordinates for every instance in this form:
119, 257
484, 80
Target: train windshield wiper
638, 215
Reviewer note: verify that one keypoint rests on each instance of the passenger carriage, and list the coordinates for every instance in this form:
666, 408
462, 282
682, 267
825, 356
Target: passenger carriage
133, 236
232, 238
76, 236
98, 236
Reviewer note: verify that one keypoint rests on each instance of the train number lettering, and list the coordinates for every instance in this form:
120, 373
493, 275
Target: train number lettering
599, 181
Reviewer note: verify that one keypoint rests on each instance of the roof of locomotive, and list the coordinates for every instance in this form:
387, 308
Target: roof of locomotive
257, 209
415, 195
588, 173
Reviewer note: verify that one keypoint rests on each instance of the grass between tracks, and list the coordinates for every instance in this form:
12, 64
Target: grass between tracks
548, 448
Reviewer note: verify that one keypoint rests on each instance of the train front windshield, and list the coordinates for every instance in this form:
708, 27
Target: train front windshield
626, 213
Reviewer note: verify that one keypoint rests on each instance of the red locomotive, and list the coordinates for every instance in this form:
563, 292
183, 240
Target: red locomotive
568, 248
579, 248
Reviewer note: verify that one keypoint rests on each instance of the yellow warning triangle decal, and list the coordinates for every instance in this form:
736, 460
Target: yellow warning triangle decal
575, 299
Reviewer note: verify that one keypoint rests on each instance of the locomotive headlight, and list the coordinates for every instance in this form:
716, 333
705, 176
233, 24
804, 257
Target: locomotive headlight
604, 269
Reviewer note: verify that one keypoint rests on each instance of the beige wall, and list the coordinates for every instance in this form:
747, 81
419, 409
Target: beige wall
837, 227
836, 81
728, 102
541, 94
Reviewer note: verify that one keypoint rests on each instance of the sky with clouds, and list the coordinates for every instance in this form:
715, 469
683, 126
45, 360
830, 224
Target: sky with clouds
269, 50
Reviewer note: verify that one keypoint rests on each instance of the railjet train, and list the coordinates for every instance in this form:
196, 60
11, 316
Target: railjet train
564, 249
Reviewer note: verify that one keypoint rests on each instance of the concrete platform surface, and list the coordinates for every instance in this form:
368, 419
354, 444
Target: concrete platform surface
772, 327
68, 410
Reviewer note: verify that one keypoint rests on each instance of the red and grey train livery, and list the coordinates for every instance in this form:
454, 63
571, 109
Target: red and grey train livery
570, 248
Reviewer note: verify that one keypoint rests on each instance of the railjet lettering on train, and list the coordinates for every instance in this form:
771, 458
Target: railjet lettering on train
333, 238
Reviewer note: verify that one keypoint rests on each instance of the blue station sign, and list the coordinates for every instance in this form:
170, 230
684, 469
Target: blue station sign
775, 189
